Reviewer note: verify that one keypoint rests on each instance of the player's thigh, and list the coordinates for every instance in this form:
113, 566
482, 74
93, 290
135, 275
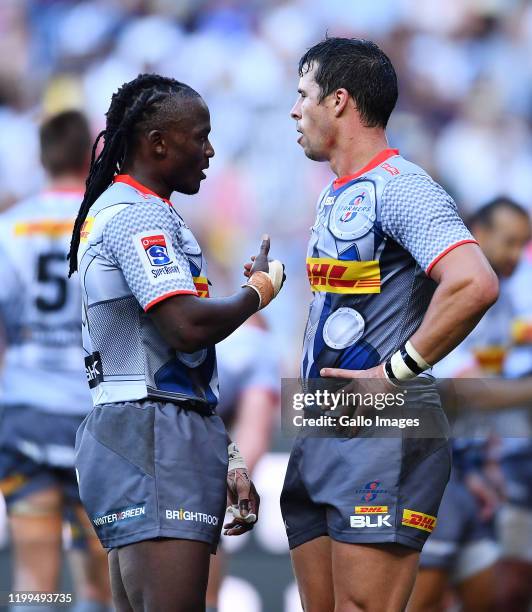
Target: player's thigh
165, 574
312, 563
429, 590
478, 592
36, 533
120, 599
372, 577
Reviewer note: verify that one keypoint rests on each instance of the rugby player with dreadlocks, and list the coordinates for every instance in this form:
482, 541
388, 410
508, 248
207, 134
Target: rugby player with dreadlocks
154, 461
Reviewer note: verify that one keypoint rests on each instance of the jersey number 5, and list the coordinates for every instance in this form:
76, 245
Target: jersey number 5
46, 274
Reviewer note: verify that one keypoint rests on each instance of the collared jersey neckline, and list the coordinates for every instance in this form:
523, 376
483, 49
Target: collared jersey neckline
373, 163
129, 180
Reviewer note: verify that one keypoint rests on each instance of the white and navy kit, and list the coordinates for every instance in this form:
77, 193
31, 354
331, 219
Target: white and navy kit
136, 251
151, 456
44, 393
377, 236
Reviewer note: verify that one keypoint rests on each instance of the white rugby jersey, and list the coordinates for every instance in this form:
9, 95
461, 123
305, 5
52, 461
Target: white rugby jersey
136, 251
40, 306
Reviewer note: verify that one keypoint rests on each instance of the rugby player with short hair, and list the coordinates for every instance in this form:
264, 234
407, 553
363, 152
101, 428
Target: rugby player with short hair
155, 462
398, 282
44, 391
462, 551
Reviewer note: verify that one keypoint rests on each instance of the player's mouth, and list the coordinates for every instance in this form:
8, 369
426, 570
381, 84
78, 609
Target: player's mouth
300, 138
203, 175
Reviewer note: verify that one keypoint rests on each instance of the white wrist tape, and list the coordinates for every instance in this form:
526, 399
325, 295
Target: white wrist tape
405, 363
236, 461
267, 284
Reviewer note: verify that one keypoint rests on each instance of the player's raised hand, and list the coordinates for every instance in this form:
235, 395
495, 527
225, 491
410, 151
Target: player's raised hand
266, 276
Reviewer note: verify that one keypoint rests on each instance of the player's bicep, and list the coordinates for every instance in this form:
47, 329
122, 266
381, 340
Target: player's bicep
418, 214
149, 255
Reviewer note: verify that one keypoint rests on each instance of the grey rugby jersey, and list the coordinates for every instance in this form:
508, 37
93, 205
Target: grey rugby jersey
135, 251
377, 235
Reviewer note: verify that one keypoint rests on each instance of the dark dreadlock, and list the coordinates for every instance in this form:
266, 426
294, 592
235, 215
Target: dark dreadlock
140, 104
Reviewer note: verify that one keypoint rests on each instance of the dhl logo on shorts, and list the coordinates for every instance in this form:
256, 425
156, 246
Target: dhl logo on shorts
522, 331
418, 520
86, 229
202, 286
371, 509
336, 276
46, 227
491, 358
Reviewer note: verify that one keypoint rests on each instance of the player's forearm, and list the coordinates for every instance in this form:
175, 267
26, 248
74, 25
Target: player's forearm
454, 310
189, 323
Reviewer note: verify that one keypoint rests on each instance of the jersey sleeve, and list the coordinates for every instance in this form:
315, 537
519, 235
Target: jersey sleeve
143, 240
422, 217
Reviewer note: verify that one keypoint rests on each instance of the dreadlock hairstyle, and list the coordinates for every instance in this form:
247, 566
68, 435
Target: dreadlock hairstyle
142, 104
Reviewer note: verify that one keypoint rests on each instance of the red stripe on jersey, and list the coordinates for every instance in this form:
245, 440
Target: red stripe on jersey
376, 161
129, 180
167, 295
444, 253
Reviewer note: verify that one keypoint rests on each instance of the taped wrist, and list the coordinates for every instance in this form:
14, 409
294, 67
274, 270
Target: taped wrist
404, 364
236, 461
267, 284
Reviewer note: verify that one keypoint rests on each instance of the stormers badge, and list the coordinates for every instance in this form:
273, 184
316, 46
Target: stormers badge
353, 213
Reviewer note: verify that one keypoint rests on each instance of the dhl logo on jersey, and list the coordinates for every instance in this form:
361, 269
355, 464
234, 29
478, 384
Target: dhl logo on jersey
522, 331
490, 358
336, 276
86, 229
418, 520
371, 509
202, 286
46, 227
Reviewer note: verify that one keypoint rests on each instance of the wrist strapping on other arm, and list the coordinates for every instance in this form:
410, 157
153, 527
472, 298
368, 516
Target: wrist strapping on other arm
267, 284
236, 461
404, 364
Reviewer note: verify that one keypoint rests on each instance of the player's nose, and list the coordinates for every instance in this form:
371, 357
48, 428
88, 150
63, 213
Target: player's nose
295, 111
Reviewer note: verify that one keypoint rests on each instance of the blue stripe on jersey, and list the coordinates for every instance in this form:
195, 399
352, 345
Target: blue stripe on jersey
176, 377
359, 356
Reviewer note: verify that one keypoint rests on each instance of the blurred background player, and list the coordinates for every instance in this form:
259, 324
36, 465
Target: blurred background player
514, 520
249, 374
44, 388
462, 551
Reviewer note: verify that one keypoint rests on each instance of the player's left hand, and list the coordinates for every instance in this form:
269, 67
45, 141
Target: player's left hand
244, 502
376, 372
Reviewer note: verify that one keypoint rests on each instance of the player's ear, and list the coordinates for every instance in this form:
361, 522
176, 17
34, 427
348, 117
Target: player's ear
157, 142
341, 100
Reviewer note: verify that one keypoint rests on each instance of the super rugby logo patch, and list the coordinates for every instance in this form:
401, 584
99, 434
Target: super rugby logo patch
157, 255
156, 250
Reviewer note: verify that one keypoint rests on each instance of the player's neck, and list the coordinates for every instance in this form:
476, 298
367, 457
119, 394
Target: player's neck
146, 178
353, 153
68, 182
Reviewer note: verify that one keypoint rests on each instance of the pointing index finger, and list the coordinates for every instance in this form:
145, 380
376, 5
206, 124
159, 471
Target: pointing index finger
265, 245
